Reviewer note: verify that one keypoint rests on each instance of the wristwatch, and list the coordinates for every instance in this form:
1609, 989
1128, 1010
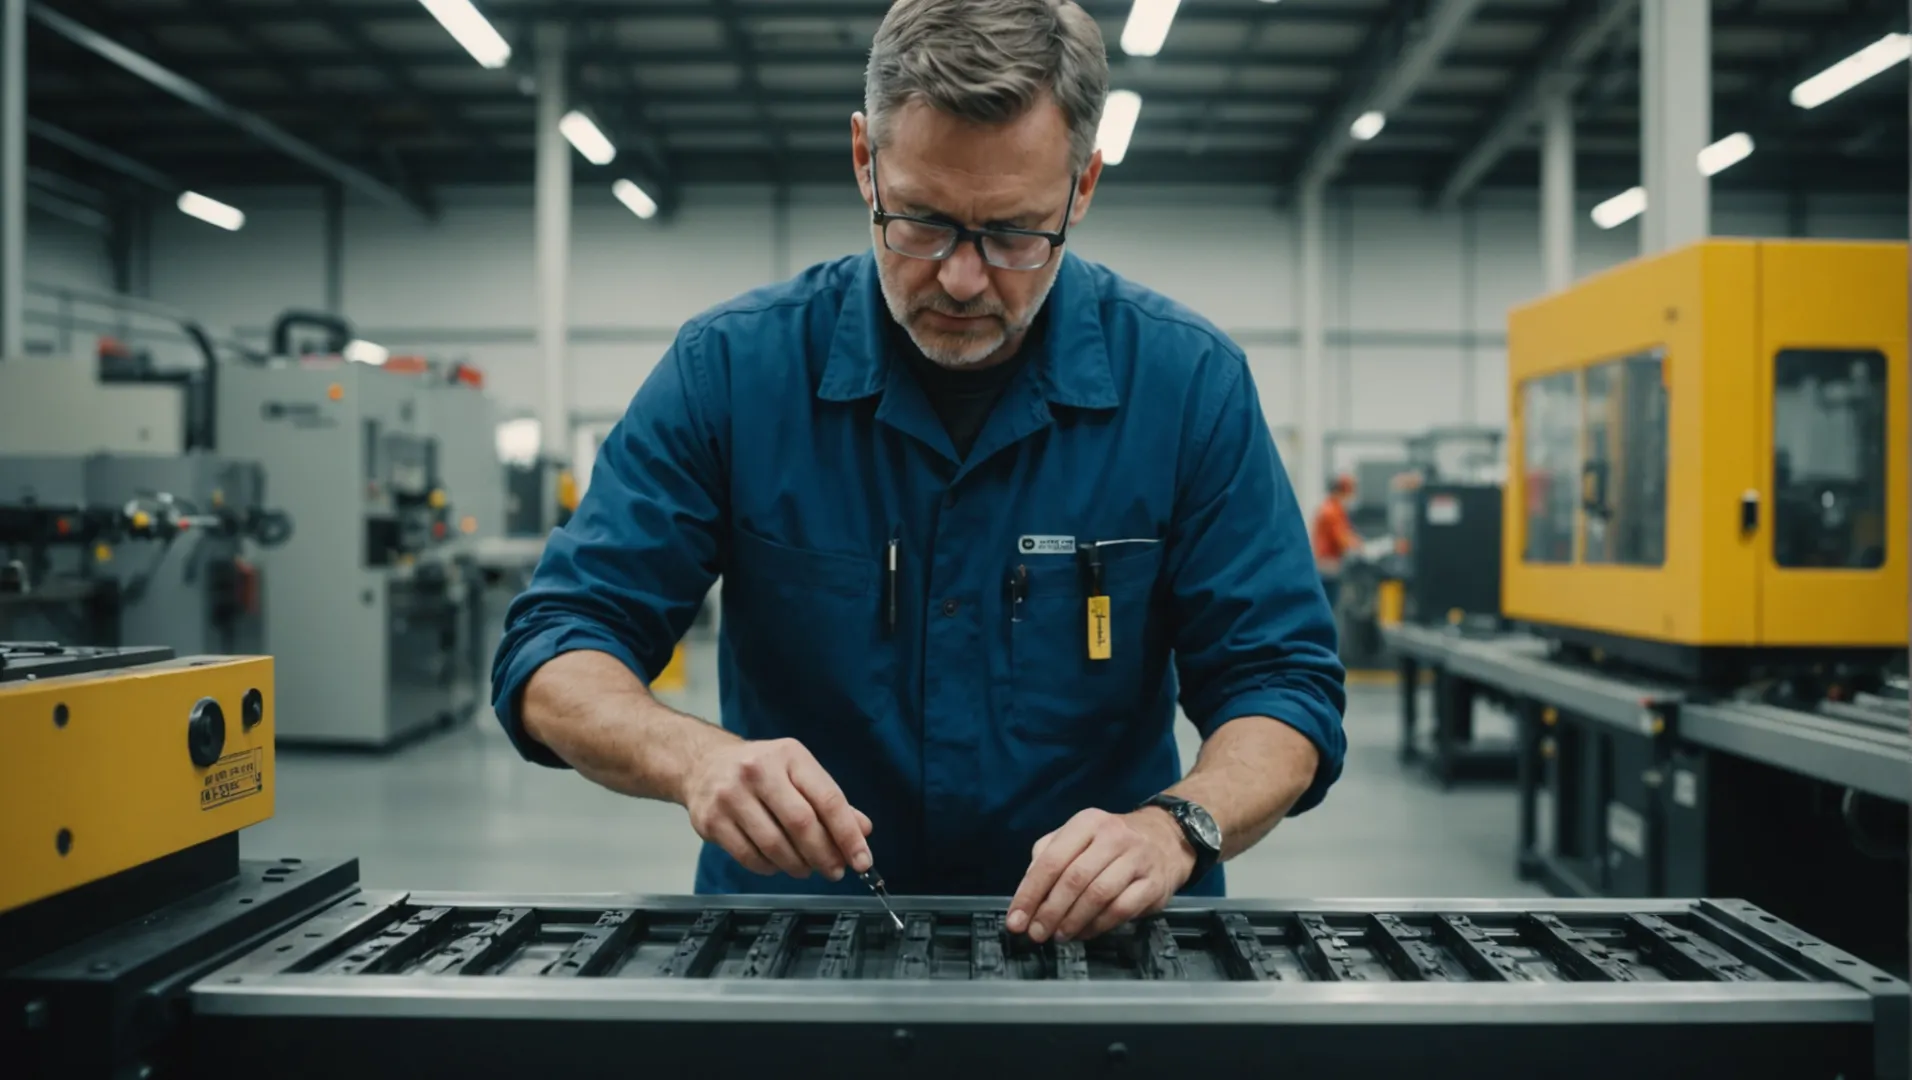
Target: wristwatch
1203, 834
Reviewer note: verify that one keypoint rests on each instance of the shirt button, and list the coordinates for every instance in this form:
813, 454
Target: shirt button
949, 608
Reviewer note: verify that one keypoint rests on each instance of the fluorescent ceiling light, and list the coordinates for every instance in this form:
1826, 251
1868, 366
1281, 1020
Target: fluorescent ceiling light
211, 211
582, 133
1620, 209
1726, 153
1148, 25
360, 351
1853, 70
470, 29
636, 198
1118, 123
1368, 125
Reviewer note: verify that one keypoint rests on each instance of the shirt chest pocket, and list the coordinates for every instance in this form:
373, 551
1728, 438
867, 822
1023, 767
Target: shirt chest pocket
1059, 692
811, 623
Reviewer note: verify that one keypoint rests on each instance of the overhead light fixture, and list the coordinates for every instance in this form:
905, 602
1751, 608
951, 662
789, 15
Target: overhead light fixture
1620, 209
211, 211
582, 133
1119, 114
1872, 60
360, 351
1148, 25
639, 201
1725, 153
1368, 125
472, 30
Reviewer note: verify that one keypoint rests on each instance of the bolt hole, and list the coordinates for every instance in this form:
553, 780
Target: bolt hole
60, 715
284, 948
1767, 918
291, 862
1882, 978
313, 934
358, 903
234, 979
245, 899
1848, 963
63, 841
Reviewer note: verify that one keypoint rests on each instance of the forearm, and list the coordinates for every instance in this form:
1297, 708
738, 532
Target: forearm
603, 722
1249, 774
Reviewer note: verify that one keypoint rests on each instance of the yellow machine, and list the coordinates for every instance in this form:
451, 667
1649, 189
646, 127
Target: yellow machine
1708, 458
109, 765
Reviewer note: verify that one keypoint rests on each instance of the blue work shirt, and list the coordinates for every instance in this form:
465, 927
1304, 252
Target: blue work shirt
779, 445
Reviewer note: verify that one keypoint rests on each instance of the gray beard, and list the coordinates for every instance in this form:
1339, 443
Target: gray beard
963, 356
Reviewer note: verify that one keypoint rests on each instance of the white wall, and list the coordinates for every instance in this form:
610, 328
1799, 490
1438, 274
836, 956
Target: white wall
1416, 300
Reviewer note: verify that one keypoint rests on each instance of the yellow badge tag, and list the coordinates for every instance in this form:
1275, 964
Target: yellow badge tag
1098, 628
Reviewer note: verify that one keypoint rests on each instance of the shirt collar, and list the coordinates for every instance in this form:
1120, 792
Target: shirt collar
1073, 354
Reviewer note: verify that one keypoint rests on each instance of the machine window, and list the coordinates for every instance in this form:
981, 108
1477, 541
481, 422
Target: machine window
1623, 480
1829, 458
1550, 452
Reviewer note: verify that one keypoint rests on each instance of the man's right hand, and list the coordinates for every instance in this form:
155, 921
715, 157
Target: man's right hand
772, 807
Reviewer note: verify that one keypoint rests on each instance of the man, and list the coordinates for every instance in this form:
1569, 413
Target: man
1333, 536
969, 496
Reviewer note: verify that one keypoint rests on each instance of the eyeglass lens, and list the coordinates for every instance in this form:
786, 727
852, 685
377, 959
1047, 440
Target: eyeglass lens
925, 240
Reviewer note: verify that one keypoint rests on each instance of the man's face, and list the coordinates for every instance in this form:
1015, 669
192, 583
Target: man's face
961, 311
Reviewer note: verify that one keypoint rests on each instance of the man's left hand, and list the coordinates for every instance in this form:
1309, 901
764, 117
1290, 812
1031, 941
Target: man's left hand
1099, 871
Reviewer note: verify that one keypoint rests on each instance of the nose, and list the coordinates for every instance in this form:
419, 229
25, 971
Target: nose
964, 275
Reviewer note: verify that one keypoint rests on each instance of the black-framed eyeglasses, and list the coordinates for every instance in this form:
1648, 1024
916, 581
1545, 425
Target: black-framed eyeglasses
1004, 248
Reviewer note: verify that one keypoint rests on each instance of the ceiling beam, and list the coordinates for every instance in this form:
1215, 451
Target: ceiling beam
628, 113
1410, 42
289, 70
696, 168
410, 94
1556, 70
1773, 113
252, 124
749, 66
88, 150
1320, 12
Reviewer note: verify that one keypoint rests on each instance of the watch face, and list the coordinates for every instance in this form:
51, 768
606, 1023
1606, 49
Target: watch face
1203, 825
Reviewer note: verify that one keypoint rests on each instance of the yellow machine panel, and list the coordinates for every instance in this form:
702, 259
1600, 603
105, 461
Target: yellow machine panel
1708, 453
103, 772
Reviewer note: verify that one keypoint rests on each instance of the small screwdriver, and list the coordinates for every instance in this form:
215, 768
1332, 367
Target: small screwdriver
875, 881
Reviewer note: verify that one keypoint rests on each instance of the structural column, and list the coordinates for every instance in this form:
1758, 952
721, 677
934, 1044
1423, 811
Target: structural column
1676, 121
554, 246
1310, 472
1557, 193
13, 177
332, 214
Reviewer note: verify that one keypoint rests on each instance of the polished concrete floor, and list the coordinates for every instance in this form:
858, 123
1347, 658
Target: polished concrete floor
462, 811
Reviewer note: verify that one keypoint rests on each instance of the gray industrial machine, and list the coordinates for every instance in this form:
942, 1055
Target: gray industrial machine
369, 583
155, 548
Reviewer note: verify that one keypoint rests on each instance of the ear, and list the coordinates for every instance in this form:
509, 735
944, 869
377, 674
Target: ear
1085, 187
860, 155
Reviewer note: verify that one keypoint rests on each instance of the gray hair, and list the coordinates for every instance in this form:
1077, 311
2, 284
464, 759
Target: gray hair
988, 61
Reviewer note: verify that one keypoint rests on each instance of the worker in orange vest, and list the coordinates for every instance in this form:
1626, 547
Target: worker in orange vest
1333, 536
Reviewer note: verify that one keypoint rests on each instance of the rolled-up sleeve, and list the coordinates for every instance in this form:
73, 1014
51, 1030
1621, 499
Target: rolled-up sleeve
626, 574
1254, 634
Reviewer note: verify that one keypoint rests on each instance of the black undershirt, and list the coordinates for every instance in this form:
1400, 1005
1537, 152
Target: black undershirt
963, 398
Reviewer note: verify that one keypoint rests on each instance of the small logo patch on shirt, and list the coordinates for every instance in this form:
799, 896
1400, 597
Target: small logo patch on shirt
1046, 545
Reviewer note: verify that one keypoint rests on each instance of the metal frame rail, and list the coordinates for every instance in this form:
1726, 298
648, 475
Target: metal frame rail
719, 985
1456, 756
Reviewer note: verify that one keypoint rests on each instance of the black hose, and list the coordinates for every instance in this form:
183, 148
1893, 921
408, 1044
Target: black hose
338, 331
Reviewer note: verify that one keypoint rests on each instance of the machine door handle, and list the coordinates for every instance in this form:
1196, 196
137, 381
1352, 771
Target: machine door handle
1748, 512
1593, 489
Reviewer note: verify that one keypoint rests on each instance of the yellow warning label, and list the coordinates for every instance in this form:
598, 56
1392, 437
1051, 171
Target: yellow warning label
1098, 628
232, 778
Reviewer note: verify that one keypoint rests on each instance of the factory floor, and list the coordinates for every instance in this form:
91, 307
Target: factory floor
462, 811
